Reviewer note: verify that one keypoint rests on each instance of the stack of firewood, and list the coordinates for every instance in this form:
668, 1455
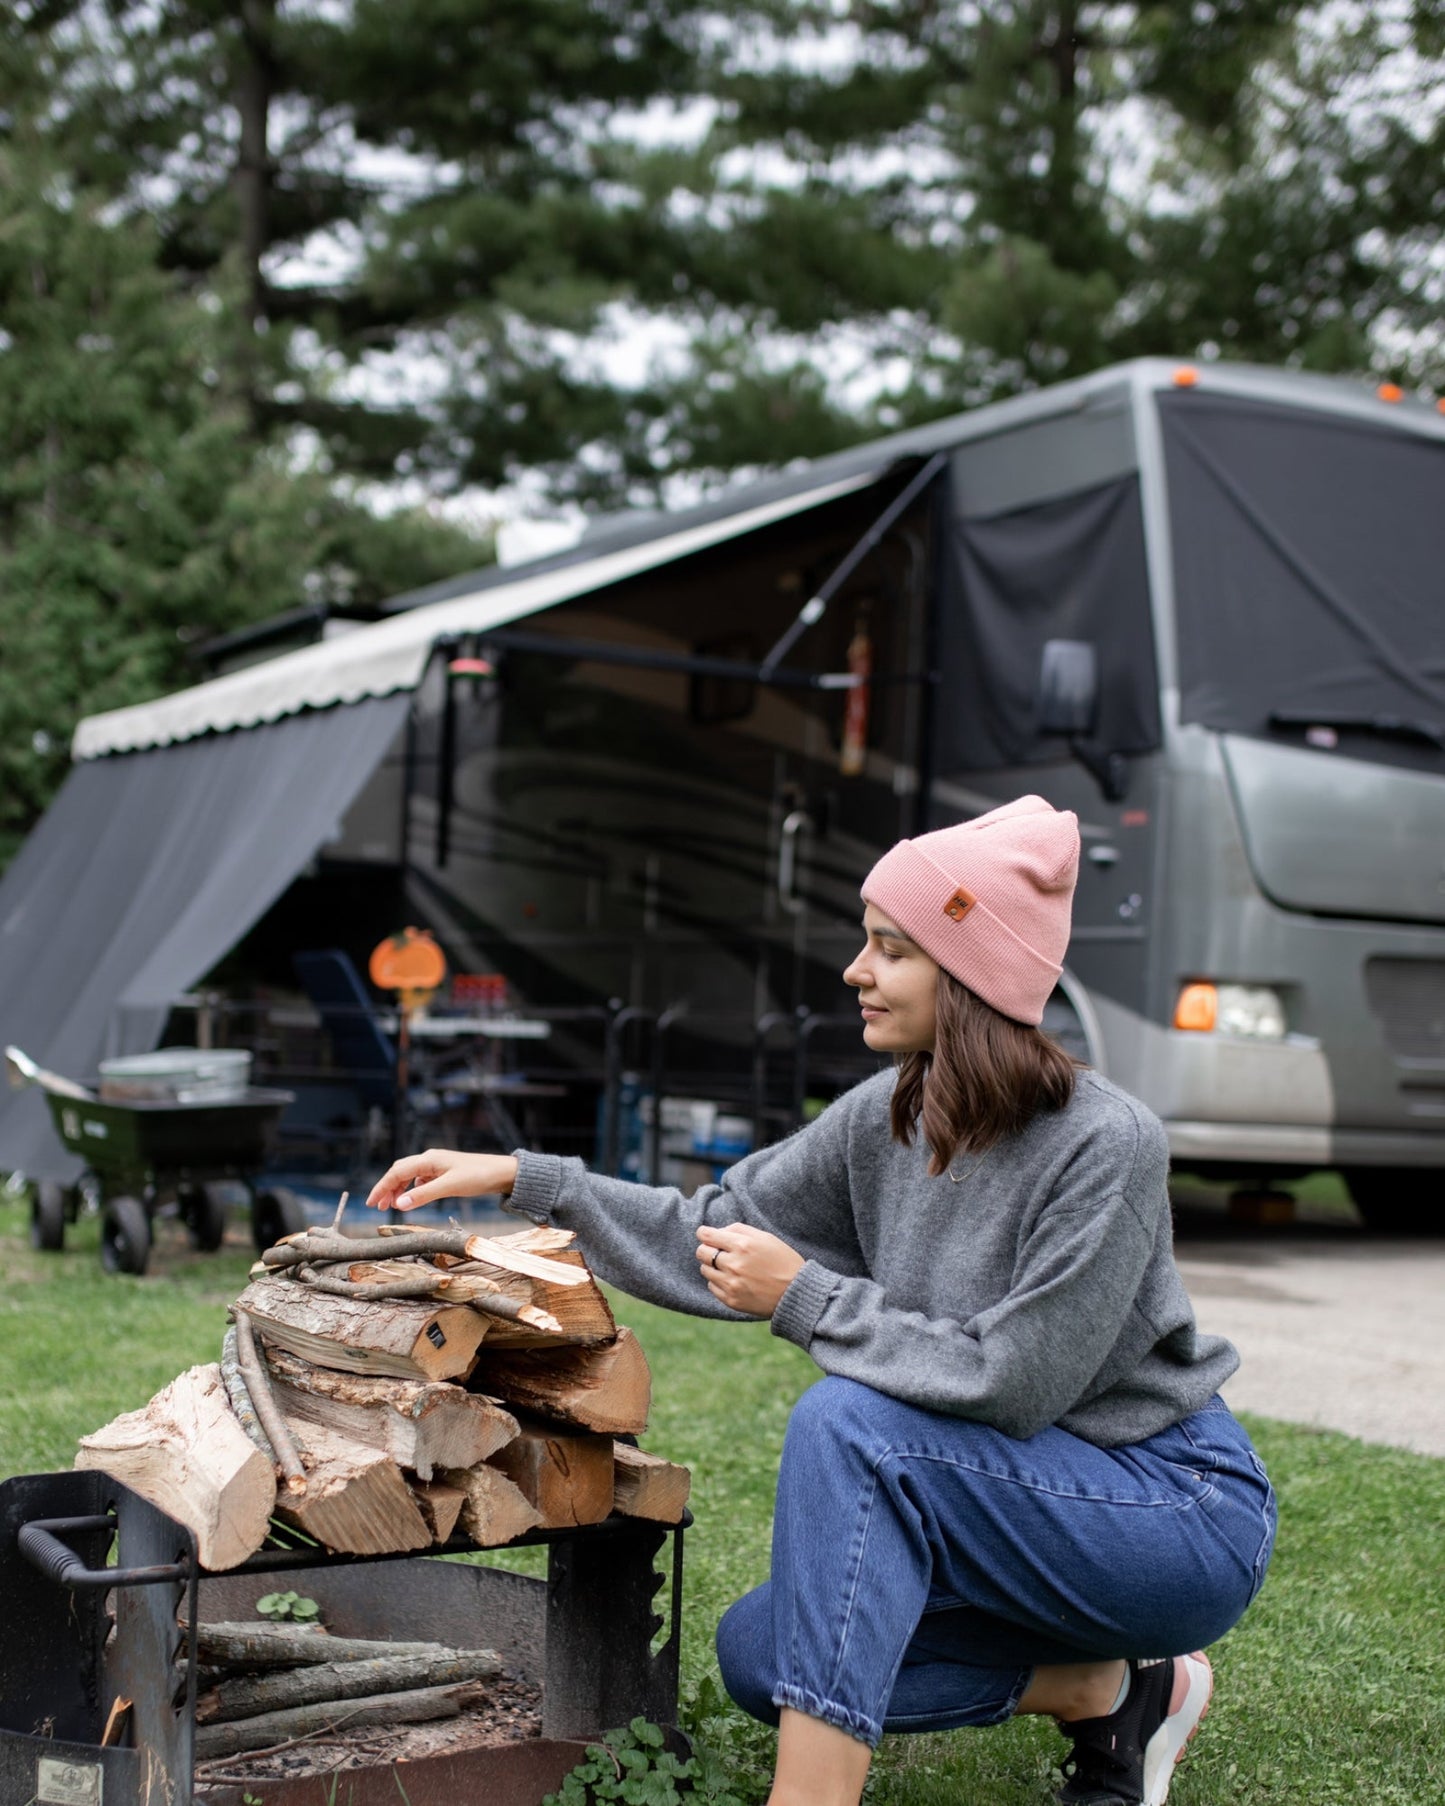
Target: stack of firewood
384, 1392
269, 1685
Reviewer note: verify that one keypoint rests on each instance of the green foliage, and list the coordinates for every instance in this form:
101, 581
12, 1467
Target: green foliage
946, 203
142, 510
632, 1765
826, 221
288, 1608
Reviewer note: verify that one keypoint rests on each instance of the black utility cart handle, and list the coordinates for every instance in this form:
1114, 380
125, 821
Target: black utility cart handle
39, 1542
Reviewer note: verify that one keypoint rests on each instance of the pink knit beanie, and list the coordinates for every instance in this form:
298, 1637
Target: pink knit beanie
989, 900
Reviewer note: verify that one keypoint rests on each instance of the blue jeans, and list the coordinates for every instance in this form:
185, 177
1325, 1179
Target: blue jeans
924, 1565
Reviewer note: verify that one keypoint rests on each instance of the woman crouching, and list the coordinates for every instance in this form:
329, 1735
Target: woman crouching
1016, 1490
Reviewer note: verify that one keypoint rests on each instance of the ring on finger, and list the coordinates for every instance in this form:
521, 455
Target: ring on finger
715, 1253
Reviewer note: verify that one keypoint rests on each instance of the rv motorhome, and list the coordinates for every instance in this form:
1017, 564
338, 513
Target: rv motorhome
1201, 606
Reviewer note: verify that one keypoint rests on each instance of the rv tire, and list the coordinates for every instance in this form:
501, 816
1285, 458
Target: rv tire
1398, 1200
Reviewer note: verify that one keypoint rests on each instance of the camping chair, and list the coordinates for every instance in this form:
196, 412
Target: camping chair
439, 1084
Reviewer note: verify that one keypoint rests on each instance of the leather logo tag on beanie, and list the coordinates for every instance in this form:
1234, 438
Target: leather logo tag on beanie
959, 904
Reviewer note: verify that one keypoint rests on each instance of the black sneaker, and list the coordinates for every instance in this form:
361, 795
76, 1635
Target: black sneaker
1128, 1757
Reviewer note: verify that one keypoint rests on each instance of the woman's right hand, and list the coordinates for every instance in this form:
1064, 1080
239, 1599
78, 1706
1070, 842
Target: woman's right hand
441, 1173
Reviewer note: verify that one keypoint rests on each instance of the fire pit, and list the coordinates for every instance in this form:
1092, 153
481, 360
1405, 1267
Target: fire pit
103, 1595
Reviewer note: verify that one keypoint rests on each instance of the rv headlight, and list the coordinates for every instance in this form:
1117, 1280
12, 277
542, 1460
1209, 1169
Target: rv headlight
1250, 1012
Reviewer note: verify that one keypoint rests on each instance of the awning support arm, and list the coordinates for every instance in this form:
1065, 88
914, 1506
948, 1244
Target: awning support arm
687, 664
813, 609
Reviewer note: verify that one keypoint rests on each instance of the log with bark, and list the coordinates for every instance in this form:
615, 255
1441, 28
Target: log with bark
465, 1282
247, 1696
606, 1388
422, 1425
260, 1733
564, 1474
262, 1643
646, 1486
186, 1453
356, 1501
404, 1339
256, 1379
495, 1510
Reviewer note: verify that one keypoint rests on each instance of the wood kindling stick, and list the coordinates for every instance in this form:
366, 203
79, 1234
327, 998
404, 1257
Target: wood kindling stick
336, 1220
493, 1251
461, 1282
497, 1304
424, 1285
390, 1242
235, 1383
266, 1408
323, 1244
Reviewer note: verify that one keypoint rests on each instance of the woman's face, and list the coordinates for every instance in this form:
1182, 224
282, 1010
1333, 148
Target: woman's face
897, 986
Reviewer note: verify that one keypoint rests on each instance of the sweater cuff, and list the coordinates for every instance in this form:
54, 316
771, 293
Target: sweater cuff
539, 1180
800, 1307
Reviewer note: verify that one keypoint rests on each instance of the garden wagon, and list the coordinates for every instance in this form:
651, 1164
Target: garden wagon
144, 1155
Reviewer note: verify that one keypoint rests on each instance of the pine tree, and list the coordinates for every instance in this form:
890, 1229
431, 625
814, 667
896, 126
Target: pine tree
139, 512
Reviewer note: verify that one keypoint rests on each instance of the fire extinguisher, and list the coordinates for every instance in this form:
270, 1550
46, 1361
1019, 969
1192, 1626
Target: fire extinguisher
860, 696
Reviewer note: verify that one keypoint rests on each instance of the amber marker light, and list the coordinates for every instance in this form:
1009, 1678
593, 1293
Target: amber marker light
1186, 377
1197, 1008
1390, 392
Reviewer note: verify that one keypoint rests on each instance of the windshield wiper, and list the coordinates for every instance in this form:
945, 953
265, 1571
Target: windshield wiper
1389, 727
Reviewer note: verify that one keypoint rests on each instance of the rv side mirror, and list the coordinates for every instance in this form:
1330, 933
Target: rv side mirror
1068, 688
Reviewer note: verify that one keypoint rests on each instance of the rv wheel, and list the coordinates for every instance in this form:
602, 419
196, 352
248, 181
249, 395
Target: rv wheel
1399, 1200
125, 1236
47, 1216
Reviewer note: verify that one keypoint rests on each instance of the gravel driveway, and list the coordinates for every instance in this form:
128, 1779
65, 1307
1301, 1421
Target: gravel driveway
1336, 1327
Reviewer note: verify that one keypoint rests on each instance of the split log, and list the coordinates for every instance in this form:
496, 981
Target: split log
646, 1486
581, 1312
260, 1643
187, 1455
564, 1474
409, 1341
441, 1506
421, 1425
496, 1511
607, 1388
419, 1707
250, 1695
462, 1283
355, 1501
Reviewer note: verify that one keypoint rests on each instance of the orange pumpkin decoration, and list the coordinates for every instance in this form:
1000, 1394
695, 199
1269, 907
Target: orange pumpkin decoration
409, 963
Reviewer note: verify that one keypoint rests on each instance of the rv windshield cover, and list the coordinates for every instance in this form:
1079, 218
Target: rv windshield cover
1071, 568
1308, 552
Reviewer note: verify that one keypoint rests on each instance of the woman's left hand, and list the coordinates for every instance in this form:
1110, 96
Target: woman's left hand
746, 1269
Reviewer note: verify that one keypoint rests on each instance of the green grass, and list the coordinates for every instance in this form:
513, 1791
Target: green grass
1331, 1692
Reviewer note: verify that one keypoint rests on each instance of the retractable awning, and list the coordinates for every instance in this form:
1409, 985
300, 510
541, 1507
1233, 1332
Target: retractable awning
390, 656
143, 873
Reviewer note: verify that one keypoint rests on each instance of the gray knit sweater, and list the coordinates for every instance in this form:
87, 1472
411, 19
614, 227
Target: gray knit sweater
1039, 1289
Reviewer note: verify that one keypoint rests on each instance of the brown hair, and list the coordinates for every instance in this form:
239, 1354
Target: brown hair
988, 1076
